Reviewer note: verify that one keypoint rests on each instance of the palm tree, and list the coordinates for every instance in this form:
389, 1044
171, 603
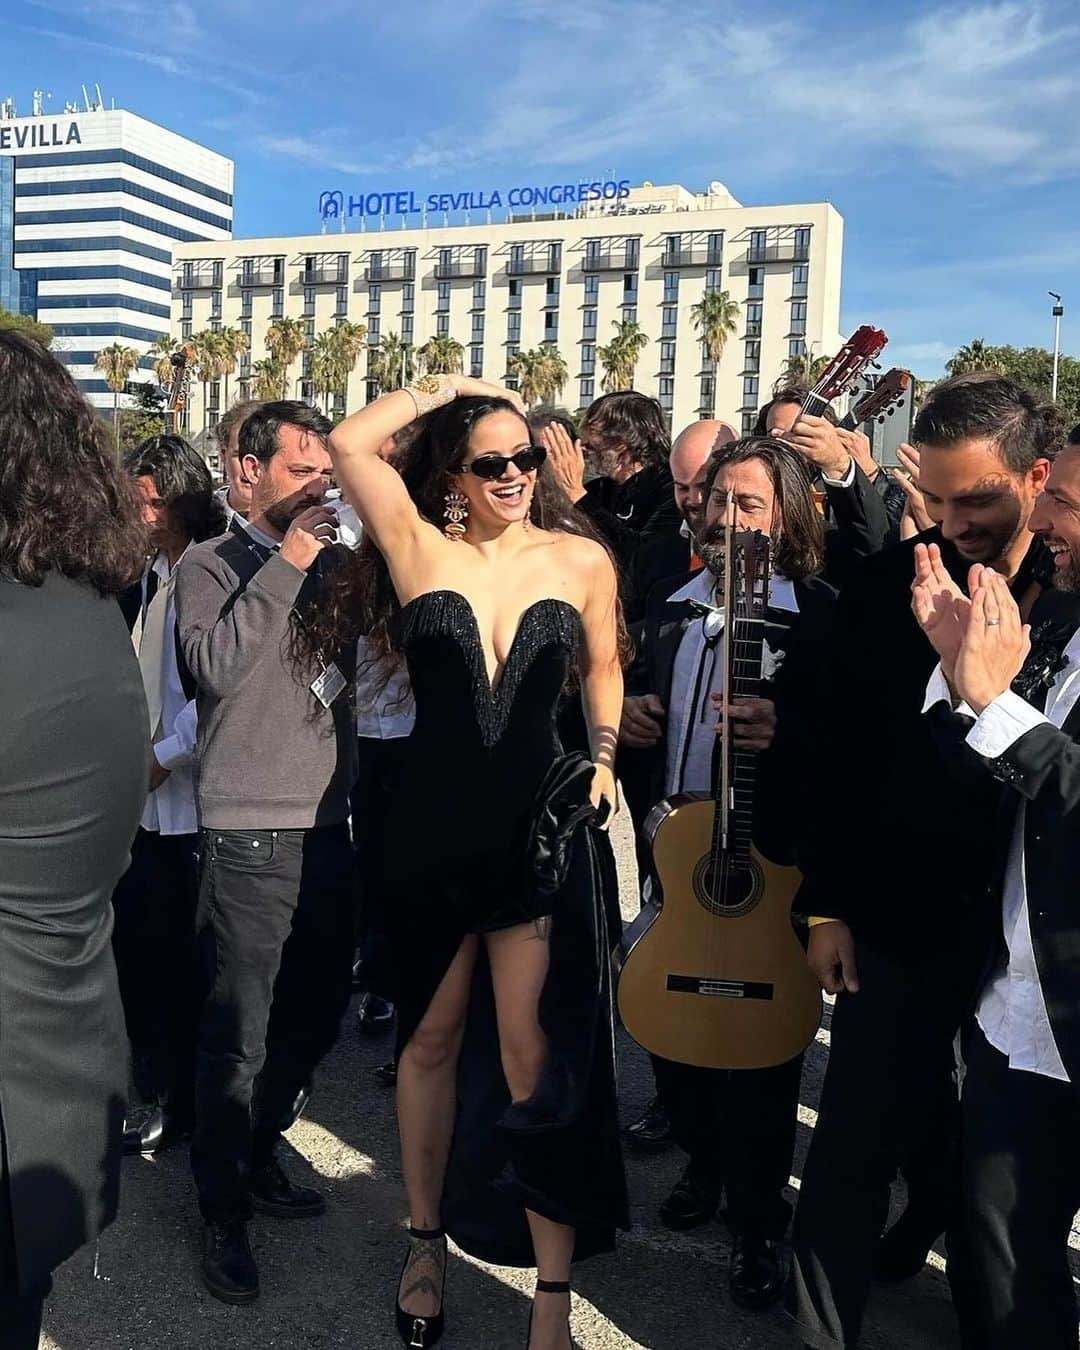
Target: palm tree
620, 356
348, 341
555, 374
325, 366
802, 369
976, 355
162, 351
285, 340
528, 369
716, 318
116, 363
207, 348
231, 343
393, 363
266, 379
442, 356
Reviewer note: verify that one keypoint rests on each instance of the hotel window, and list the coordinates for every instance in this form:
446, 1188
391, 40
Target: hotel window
551, 291
714, 249
708, 392
554, 260
479, 294
480, 258
309, 302
669, 321
667, 392
309, 330
245, 327
187, 274
477, 334
749, 421
371, 391
373, 328
305, 365
185, 328
374, 299
476, 362
442, 325
215, 325
517, 259
277, 303
245, 305
513, 327
588, 323
667, 358
215, 304
802, 242
671, 288
796, 346
375, 262
629, 288
587, 395
185, 306
407, 330
798, 318
708, 365
632, 247
753, 318
750, 390
800, 279
442, 300
588, 359
341, 300
713, 280
408, 296
757, 243
592, 288
551, 326
752, 357
592, 252
629, 314
212, 419
756, 288
215, 394
446, 257
513, 300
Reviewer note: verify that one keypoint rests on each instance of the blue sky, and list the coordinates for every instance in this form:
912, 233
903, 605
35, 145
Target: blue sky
948, 136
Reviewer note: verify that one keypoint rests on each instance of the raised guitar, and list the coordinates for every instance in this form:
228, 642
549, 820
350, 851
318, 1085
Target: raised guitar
713, 974
878, 402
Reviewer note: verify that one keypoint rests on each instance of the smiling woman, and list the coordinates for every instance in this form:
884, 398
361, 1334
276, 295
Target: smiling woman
480, 575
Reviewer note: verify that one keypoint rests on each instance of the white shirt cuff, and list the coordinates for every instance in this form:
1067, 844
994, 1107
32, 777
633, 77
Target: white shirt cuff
937, 691
844, 482
177, 750
1001, 724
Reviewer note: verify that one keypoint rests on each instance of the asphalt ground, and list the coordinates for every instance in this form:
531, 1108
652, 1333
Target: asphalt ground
331, 1281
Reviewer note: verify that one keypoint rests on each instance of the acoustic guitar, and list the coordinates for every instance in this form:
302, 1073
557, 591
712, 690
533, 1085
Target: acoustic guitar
714, 974
176, 395
879, 402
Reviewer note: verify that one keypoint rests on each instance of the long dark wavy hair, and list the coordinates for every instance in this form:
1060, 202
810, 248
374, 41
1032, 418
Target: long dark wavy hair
183, 483
800, 549
65, 503
361, 599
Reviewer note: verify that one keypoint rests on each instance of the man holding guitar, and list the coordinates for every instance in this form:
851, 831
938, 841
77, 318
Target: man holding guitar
739, 1126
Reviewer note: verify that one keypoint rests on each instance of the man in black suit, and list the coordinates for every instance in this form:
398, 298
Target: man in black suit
739, 1127
1021, 1107
902, 983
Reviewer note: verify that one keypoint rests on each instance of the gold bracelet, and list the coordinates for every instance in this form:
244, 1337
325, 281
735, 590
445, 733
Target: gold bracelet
430, 392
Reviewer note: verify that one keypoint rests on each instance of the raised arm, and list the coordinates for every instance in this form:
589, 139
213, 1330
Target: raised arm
601, 673
371, 485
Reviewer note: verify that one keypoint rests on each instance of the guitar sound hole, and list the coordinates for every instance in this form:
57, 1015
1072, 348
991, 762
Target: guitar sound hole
735, 892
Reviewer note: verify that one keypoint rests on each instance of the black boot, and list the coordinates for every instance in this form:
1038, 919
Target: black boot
228, 1267
693, 1201
756, 1275
902, 1251
652, 1130
374, 1014
273, 1193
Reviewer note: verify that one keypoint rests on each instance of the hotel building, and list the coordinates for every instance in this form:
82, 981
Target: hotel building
566, 277
93, 203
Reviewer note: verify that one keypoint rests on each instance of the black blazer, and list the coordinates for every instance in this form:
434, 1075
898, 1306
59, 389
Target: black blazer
785, 817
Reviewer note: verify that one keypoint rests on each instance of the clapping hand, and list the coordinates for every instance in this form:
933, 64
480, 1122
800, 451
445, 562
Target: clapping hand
940, 607
995, 643
567, 460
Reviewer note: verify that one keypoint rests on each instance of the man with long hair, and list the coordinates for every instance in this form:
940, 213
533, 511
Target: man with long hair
154, 903
74, 759
738, 1128
277, 757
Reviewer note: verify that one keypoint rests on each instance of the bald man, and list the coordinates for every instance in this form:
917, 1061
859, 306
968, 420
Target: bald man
670, 552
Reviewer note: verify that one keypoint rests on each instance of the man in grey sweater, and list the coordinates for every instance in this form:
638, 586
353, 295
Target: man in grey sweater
276, 758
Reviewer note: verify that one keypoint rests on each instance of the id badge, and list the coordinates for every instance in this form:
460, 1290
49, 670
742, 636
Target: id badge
328, 685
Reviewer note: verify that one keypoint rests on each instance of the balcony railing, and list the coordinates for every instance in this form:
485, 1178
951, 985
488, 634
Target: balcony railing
691, 257
262, 276
324, 276
402, 270
611, 260
200, 279
542, 264
770, 253
448, 271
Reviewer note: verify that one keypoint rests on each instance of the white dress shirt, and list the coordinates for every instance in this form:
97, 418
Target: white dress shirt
691, 717
1012, 1011
170, 809
385, 710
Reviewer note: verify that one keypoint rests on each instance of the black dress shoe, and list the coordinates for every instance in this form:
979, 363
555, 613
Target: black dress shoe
901, 1252
144, 1131
387, 1073
692, 1202
652, 1130
374, 1014
756, 1276
273, 1193
228, 1267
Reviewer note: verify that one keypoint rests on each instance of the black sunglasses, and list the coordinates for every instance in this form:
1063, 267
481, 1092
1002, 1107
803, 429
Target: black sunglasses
494, 466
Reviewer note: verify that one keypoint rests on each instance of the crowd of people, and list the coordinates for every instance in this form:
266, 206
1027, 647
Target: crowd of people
356, 721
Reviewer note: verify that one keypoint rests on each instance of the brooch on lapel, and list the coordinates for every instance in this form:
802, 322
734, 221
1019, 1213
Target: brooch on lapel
1045, 660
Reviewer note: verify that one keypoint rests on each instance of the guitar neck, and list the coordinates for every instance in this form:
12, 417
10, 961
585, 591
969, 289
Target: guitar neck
736, 774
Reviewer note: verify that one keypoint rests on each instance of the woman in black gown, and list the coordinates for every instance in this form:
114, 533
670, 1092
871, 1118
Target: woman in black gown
480, 575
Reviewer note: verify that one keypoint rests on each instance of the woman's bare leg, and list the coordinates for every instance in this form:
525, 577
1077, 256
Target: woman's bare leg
427, 1074
519, 966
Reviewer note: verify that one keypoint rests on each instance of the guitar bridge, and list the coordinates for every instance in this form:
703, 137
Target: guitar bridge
713, 988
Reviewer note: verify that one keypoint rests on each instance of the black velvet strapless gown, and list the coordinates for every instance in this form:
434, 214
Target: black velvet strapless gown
456, 864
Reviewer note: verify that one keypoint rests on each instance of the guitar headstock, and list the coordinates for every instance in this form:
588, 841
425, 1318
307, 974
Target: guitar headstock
183, 361
860, 350
752, 557
888, 392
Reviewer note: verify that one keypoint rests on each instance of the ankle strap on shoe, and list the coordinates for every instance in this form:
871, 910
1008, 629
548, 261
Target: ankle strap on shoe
426, 1234
552, 1286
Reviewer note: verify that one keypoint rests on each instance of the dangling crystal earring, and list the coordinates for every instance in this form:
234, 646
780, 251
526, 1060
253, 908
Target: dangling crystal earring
526, 523
456, 514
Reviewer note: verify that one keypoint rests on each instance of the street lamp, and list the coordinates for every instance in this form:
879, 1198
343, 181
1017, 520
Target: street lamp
1057, 312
